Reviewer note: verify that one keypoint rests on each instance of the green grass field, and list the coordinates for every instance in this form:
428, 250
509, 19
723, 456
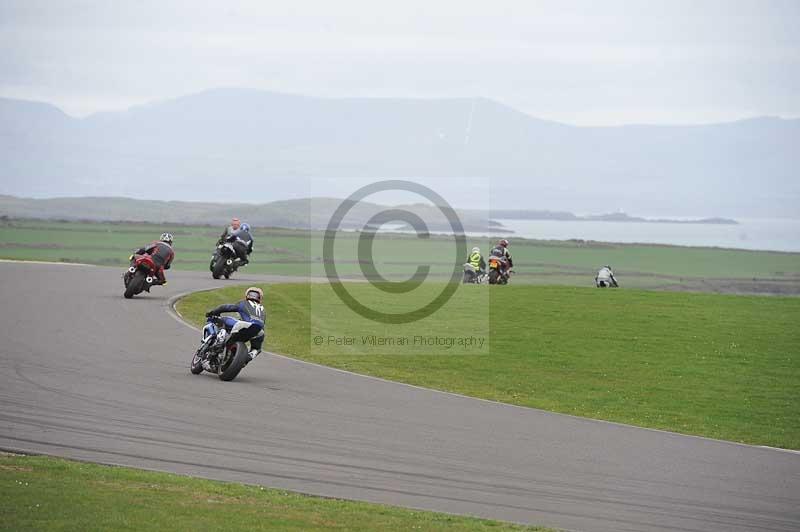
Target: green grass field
41, 493
721, 366
298, 252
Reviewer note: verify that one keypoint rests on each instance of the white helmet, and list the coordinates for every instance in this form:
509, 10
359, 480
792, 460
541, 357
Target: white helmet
476, 249
166, 237
254, 294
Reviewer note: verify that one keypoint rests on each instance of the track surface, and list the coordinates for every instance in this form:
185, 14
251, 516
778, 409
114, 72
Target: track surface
89, 375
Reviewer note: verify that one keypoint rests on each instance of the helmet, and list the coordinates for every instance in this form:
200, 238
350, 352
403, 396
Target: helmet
254, 294
476, 249
166, 237
235, 223
245, 227
503, 243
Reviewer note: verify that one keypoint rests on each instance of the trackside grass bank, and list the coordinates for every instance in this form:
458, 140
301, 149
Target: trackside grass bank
299, 253
721, 366
42, 493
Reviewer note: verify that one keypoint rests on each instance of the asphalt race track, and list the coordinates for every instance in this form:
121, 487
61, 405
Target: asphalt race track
89, 375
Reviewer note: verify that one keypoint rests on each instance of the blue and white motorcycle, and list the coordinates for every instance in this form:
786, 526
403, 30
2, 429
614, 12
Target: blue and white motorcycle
217, 354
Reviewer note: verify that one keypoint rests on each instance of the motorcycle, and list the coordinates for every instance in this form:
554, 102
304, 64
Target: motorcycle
473, 275
612, 283
140, 276
217, 355
224, 261
499, 272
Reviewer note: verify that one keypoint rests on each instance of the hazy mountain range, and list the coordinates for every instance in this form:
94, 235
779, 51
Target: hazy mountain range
255, 147
307, 213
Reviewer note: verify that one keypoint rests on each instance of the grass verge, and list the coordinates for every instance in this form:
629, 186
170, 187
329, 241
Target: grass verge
43, 493
713, 365
299, 252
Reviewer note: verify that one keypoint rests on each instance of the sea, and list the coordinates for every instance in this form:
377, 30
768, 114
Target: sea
773, 234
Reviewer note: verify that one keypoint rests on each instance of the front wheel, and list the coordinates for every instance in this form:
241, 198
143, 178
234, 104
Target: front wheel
219, 268
196, 366
237, 358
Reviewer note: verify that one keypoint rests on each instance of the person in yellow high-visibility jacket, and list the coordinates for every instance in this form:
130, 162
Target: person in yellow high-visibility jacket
476, 260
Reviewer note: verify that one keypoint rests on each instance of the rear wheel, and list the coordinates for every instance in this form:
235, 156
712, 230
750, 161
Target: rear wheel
493, 275
135, 284
237, 358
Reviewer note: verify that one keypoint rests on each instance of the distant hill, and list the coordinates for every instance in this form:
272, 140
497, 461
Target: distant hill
236, 144
313, 213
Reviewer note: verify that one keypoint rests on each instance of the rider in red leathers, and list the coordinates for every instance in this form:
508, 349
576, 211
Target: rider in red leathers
162, 254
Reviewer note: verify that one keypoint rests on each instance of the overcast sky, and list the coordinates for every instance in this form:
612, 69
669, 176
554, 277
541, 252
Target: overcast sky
586, 63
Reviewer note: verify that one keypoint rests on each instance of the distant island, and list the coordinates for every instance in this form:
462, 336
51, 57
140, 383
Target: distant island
610, 217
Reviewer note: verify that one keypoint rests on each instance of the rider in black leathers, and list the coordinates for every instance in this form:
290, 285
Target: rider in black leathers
242, 242
501, 250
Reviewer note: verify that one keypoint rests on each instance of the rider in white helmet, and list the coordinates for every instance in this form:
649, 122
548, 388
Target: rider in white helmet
476, 260
252, 320
605, 277
162, 254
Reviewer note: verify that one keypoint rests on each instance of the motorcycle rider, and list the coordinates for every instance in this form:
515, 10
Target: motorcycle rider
162, 254
252, 323
501, 251
242, 242
605, 277
235, 224
476, 260
476, 265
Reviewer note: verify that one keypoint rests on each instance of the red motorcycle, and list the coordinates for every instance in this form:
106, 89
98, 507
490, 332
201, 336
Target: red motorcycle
140, 276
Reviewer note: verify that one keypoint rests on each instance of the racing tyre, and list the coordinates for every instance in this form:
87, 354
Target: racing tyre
219, 268
196, 366
237, 359
134, 285
493, 276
